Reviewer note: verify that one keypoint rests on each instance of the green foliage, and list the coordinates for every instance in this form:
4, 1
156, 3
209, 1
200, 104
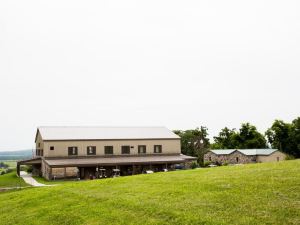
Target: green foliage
3, 165
246, 137
226, 139
265, 193
206, 163
29, 169
194, 165
285, 136
194, 142
289, 157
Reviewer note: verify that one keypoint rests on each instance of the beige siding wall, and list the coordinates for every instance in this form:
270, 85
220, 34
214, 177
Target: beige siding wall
61, 147
39, 144
276, 156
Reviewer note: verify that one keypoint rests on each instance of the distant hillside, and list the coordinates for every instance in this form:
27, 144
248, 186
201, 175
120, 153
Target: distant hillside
16, 155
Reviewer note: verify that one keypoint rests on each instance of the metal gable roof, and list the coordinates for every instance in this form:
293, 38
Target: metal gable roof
257, 151
223, 151
249, 152
105, 133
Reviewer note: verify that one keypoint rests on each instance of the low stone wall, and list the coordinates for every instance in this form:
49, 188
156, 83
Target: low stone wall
64, 172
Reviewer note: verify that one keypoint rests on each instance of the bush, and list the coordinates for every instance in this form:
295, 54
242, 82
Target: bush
225, 164
194, 165
206, 163
289, 157
3, 165
29, 169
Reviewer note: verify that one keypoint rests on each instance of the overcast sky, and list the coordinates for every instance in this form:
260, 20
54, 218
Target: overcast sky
179, 64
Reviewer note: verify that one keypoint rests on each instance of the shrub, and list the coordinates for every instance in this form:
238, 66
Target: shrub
29, 169
206, 163
194, 165
289, 157
225, 164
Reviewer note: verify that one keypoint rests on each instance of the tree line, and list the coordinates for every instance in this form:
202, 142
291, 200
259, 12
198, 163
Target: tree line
281, 135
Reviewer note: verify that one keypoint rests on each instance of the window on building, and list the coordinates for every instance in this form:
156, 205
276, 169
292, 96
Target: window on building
39, 144
91, 150
108, 150
237, 159
157, 149
125, 149
41, 152
51, 148
277, 159
142, 149
209, 158
73, 150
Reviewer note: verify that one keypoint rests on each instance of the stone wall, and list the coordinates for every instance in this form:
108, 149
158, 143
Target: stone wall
233, 158
64, 172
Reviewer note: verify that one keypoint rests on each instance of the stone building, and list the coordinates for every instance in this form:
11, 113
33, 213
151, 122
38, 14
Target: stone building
241, 156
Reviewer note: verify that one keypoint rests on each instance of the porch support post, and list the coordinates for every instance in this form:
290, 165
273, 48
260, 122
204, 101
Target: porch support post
50, 173
133, 170
18, 169
65, 172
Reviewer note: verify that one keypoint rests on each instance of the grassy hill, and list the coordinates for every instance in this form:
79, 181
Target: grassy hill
11, 180
251, 194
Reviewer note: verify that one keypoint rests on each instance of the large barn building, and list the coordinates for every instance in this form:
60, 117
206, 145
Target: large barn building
85, 152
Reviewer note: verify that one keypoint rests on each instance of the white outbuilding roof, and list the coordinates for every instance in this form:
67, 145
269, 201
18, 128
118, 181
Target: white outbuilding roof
266, 151
104, 133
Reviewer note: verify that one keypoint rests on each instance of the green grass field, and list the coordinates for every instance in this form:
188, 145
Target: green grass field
250, 194
11, 180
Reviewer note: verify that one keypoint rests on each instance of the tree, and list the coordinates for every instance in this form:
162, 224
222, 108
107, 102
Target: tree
249, 137
246, 137
225, 139
200, 144
285, 136
194, 142
295, 137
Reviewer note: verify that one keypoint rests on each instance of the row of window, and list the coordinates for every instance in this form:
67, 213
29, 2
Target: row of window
109, 150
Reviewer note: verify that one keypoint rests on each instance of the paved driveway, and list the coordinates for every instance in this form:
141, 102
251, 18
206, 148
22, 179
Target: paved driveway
30, 180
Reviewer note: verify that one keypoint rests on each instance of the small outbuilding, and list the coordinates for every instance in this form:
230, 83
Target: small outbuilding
241, 156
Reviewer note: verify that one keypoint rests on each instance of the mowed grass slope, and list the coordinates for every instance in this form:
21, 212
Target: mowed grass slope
250, 194
11, 180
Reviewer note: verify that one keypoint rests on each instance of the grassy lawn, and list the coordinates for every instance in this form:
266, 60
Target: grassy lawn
11, 180
251, 194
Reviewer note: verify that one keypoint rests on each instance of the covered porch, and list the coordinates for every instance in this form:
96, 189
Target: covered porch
36, 164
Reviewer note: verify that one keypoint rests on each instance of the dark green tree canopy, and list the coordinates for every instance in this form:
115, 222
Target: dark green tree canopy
194, 142
246, 137
285, 136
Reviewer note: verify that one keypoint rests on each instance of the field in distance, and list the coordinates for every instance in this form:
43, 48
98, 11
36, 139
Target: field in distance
266, 193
